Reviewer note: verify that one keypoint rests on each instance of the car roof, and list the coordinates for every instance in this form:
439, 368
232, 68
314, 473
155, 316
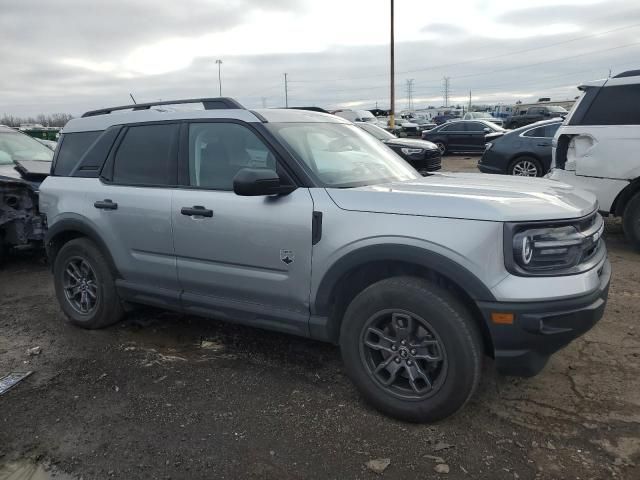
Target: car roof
275, 115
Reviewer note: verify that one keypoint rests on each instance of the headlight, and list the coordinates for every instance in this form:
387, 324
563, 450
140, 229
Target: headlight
487, 146
411, 151
553, 250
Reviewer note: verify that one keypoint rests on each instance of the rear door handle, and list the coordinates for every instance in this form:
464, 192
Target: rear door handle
544, 144
196, 210
106, 204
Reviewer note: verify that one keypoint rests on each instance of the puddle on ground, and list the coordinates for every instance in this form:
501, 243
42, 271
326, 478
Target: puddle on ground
27, 470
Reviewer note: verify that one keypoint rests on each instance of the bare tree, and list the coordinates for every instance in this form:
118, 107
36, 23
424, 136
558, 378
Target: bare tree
53, 120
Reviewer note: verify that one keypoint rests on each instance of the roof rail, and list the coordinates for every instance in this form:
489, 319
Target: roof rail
219, 103
628, 73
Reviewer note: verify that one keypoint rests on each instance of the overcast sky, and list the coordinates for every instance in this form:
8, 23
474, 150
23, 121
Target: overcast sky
74, 55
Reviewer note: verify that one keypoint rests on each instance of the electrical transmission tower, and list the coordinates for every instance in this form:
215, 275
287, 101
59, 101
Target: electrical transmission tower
410, 94
446, 90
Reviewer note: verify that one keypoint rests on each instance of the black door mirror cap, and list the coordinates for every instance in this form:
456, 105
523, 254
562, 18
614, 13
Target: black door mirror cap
486, 130
252, 182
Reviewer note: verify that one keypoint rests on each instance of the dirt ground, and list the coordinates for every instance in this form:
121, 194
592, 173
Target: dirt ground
168, 396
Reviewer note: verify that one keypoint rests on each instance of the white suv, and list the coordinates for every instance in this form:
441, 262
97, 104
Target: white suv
597, 148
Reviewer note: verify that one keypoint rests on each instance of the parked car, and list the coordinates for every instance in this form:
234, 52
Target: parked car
525, 152
422, 155
301, 222
408, 128
24, 163
440, 119
597, 146
461, 135
360, 116
535, 114
483, 116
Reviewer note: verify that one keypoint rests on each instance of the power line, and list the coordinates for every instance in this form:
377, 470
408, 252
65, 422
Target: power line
482, 59
548, 61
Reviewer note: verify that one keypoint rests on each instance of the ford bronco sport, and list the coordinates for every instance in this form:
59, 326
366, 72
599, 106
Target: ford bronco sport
300, 222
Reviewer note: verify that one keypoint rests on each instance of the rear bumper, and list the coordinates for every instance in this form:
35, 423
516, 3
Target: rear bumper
542, 328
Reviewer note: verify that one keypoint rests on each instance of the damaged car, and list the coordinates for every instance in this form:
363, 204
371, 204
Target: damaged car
24, 164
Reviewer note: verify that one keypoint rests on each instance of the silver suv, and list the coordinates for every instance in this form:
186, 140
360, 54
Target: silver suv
300, 222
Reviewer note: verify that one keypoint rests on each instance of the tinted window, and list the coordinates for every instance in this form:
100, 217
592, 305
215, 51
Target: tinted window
73, 147
217, 151
535, 132
454, 127
619, 105
550, 130
474, 127
146, 155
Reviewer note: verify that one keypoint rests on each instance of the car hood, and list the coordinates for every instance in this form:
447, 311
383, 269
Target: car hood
411, 143
32, 172
473, 196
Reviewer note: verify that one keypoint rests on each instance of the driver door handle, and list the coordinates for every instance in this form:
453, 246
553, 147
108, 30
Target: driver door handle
196, 210
106, 204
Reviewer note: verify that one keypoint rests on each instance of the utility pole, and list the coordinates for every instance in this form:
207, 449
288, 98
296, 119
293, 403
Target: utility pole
134, 100
469, 100
392, 109
219, 62
286, 92
410, 94
264, 102
446, 86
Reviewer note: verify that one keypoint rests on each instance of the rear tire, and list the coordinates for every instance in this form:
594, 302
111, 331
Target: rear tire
631, 221
434, 372
526, 167
85, 285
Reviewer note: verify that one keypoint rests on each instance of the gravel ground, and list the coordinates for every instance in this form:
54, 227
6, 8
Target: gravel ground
169, 396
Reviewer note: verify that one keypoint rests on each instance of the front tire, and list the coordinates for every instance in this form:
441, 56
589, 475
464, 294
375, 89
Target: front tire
85, 285
631, 221
525, 167
412, 349
442, 147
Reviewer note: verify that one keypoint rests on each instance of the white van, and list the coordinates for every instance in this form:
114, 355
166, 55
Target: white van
597, 148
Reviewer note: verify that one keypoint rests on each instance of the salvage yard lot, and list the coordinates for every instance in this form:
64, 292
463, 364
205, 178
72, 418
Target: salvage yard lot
168, 396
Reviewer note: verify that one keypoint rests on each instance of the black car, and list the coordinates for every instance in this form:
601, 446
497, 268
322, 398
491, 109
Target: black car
524, 152
461, 135
423, 156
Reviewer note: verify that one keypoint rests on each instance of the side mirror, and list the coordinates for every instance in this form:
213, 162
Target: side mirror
486, 130
251, 182
547, 114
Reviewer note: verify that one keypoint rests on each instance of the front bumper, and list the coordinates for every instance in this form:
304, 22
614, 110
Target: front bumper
541, 328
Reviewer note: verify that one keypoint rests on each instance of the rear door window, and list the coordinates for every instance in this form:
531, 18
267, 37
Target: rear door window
617, 105
474, 127
72, 148
147, 155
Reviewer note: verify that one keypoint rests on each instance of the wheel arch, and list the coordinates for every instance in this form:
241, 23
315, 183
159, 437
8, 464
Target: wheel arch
622, 199
69, 229
361, 268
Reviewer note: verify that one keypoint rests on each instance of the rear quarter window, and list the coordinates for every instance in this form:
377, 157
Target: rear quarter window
616, 105
72, 147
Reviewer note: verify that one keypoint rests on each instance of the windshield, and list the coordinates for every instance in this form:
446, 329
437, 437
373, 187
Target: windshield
341, 155
366, 116
379, 133
16, 146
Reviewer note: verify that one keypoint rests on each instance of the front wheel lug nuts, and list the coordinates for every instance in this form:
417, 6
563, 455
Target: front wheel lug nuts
409, 362
403, 342
394, 348
397, 359
413, 351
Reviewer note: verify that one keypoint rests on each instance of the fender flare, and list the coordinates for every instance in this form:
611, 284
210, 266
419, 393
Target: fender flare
80, 225
400, 253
